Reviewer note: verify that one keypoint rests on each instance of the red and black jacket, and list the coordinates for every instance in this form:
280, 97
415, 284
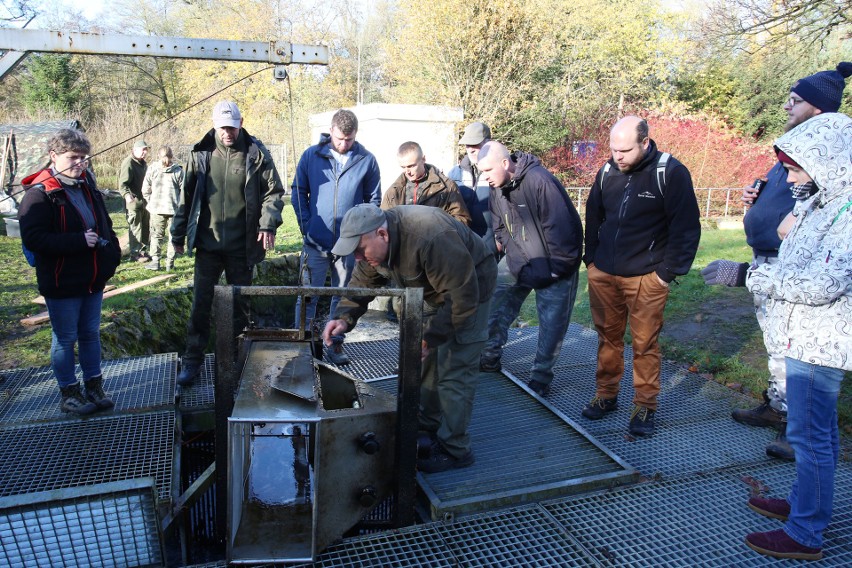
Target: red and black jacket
52, 228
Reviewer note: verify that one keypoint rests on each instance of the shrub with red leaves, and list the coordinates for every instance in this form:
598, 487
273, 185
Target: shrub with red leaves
715, 155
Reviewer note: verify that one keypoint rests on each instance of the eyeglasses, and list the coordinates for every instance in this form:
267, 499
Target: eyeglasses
793, 101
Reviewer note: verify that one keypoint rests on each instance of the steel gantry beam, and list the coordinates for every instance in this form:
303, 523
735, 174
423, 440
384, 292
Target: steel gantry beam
17, 43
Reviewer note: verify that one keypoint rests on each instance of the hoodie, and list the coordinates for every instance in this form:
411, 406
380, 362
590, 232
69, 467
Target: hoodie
809, 288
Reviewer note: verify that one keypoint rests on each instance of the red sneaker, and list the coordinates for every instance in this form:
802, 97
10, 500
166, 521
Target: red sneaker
778, 545
772, 508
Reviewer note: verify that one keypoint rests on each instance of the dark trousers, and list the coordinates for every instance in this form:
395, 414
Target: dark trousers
208, 270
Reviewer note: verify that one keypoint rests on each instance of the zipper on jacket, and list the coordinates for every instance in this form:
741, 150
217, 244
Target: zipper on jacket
621, 211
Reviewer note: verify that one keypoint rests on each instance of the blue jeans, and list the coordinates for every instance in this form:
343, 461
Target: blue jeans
812, 393
75, 320
314, 268
554, 305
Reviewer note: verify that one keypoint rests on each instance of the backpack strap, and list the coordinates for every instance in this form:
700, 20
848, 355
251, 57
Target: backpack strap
606, 169
661, 172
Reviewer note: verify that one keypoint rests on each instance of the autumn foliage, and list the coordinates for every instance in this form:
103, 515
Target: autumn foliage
715, 155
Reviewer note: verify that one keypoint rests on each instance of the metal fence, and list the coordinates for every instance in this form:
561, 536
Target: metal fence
714, 202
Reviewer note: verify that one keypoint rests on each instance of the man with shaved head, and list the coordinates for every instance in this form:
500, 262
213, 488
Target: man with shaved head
539, 229
642, 230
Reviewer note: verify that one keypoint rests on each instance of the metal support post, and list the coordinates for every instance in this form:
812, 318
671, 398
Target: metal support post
224, 390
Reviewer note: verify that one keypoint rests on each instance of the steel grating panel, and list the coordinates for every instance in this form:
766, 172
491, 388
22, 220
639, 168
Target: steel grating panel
200, 393
112, 524
685, 449
524, 536
411, 546
371, 359
700, 521
684, 396
579, 348
86, 452
133, 383
556, 459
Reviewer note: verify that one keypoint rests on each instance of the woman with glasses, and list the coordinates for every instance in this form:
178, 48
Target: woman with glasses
64, 221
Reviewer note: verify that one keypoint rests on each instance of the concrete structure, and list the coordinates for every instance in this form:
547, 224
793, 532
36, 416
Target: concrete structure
383, 127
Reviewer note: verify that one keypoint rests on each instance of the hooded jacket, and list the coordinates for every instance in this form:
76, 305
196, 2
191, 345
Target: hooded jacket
809, 288
262, 192
429, 249
52, 228
631, 229
537, 254
435, 190
321, 195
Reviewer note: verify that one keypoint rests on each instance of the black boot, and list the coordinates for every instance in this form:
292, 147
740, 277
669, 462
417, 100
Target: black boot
95, 393
779, 447
763, 415
73, 401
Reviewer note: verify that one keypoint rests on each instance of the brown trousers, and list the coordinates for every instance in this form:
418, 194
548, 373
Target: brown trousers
615, 300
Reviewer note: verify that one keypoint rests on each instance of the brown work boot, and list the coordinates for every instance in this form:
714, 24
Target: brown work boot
763, 415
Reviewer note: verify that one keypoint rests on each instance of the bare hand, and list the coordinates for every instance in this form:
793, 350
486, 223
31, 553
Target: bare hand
749, 195
179, 249
91, 238
334, 327
267, 238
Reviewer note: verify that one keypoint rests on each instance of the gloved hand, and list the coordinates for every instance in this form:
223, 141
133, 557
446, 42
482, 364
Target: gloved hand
725, 272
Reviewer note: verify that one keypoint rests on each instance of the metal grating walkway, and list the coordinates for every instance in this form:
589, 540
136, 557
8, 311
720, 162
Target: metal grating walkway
689, 510
85, 452
698, 471
31, 395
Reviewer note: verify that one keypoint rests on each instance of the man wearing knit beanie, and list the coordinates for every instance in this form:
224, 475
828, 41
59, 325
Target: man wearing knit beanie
809, 97
817, 93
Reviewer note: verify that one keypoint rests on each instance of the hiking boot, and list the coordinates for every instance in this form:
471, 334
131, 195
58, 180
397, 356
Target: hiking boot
95, 393
596, 409
440, 460
539, 388
641, 421
153, 265
336, 355
780, 448
772, 508
490, 365
189, 371
143, 257
779, 545
763, 415
74, 402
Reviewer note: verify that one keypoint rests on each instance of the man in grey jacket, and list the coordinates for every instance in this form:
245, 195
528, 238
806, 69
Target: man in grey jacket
229, 211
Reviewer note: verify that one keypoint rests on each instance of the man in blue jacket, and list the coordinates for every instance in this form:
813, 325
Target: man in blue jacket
642, 230
539, 230
332, 177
